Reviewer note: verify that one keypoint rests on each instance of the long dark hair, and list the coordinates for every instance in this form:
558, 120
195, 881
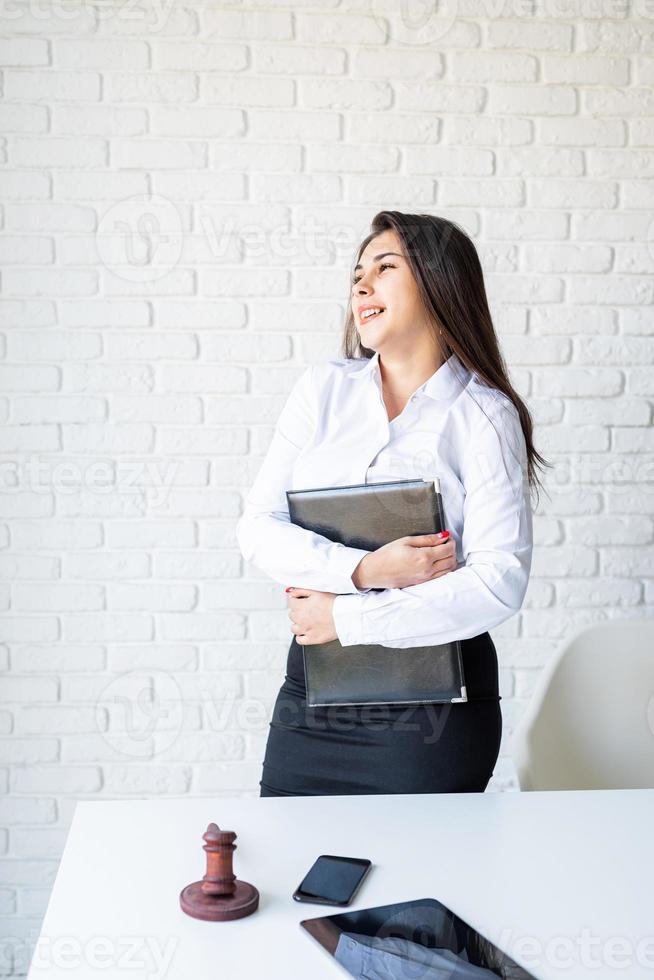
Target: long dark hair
450, 280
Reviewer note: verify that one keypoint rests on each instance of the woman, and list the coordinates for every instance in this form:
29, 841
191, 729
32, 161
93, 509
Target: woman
422, 391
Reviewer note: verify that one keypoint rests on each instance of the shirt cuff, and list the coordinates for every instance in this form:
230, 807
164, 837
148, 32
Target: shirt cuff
347, 613
349, 558
349, 953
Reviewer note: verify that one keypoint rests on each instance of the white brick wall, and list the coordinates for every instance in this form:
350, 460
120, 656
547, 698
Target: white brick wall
148, 347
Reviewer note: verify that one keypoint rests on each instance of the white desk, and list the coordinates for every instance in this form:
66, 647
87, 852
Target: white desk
540, 865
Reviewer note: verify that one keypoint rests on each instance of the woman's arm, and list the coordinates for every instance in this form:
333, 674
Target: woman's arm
497, 547
292, 555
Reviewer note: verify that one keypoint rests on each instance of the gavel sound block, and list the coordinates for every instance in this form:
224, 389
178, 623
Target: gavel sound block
220, 896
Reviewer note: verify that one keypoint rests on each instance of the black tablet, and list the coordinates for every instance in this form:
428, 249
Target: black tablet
422, 938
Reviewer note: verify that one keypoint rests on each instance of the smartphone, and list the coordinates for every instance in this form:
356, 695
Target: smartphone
332, 880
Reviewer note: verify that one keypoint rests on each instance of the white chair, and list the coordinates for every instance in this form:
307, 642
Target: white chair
590, 722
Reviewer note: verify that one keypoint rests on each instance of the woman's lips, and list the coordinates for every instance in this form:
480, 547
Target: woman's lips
374, 316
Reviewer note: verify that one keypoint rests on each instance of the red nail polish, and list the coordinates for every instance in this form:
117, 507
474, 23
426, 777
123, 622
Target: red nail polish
288, 589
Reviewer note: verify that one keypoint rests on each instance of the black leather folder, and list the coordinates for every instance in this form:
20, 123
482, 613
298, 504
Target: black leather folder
369, 515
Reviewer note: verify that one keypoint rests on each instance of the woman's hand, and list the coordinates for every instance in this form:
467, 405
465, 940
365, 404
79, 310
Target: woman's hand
310, 613
406, 561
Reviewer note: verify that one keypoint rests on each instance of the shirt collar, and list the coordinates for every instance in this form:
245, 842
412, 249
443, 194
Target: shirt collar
450, 378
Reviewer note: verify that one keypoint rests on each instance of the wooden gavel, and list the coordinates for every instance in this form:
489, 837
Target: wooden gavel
220, 896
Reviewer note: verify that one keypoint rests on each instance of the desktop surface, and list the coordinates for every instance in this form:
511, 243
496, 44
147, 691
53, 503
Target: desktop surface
559, 880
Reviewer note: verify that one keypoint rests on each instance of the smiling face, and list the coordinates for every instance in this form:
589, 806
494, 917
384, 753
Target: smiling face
386, 281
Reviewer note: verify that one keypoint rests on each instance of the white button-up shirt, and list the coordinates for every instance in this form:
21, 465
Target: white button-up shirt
334, 431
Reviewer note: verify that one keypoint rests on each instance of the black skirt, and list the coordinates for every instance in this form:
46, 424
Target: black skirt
339, 750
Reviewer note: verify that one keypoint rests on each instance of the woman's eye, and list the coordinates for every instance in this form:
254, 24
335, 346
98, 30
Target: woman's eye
384, 265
